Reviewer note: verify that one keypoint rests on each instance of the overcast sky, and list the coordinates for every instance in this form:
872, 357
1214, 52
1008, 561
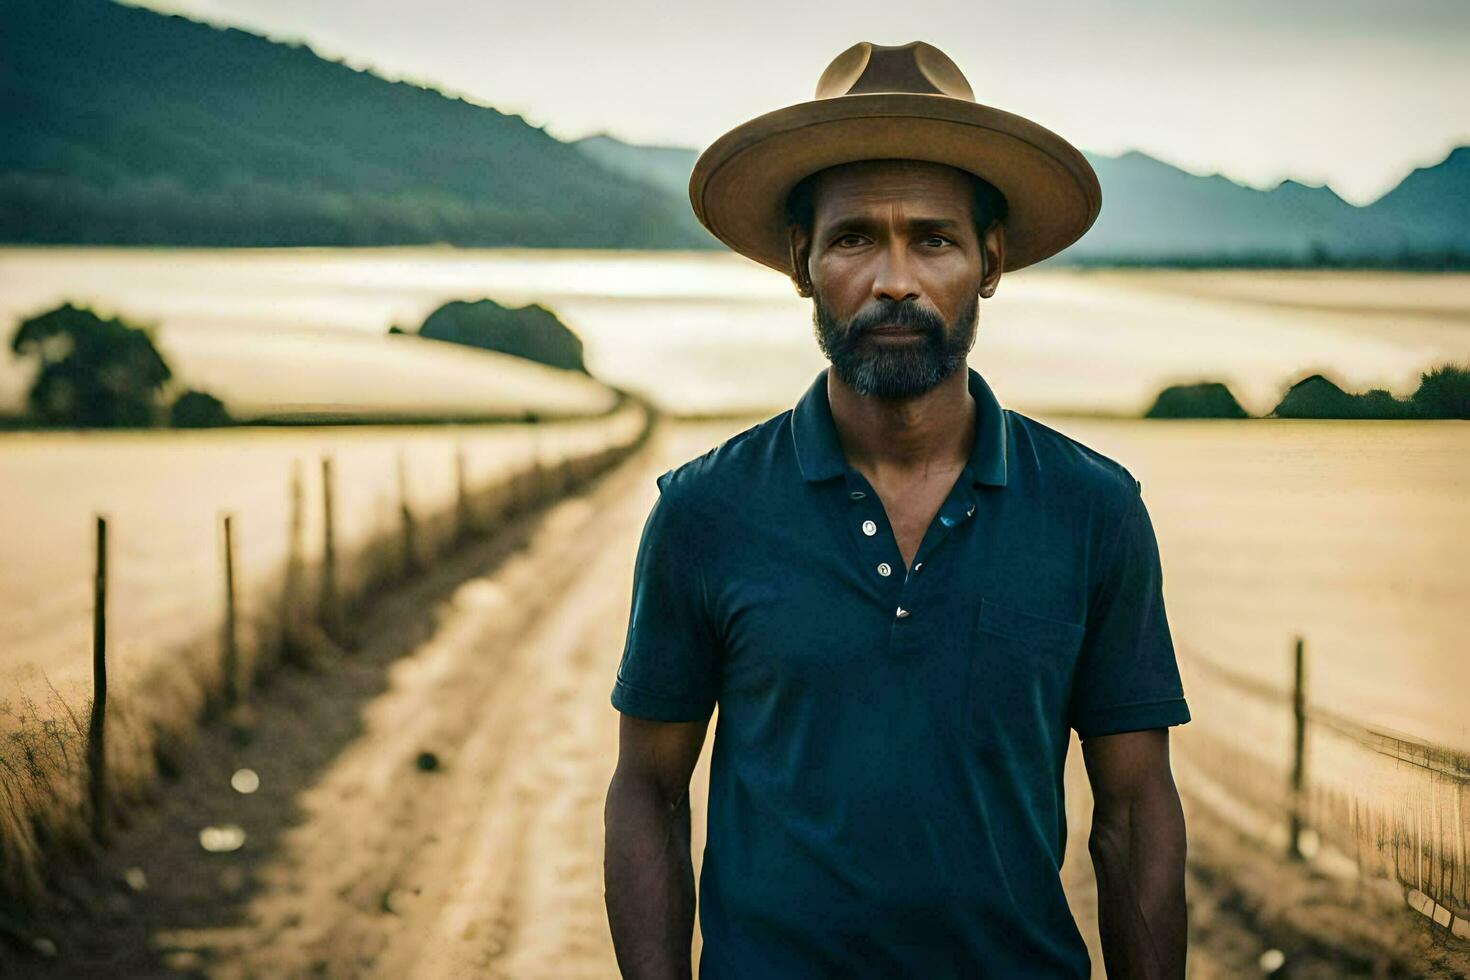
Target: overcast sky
1352, 93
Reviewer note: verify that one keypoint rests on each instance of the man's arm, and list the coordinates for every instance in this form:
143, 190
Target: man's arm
1138, 848
647, 871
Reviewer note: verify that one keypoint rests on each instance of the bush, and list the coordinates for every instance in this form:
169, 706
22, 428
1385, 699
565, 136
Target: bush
1207, 400
198, 410
532, 332
1443, 393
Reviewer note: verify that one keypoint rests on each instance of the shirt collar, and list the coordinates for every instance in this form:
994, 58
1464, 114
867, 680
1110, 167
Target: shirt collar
819, 452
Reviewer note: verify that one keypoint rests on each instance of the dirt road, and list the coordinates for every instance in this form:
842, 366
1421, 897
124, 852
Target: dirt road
432, 805
489, 864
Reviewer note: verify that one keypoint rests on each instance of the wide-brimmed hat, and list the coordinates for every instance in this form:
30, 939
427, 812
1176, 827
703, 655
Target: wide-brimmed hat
906, 101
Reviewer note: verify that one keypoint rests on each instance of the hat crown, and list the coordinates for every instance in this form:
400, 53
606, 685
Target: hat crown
917, 68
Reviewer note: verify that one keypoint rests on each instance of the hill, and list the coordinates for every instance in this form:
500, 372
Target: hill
123, 125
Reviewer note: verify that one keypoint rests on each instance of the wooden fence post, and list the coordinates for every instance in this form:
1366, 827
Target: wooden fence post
538, 471
231, 651
294, 560
410, 558
1298, 756
329, 609
97, 728
462, 517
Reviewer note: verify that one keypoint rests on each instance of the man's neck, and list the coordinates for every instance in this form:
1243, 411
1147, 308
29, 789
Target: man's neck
911, 436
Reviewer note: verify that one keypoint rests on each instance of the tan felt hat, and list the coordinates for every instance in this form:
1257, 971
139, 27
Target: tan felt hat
906, 101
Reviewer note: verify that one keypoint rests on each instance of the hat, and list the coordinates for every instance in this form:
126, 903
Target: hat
905, 101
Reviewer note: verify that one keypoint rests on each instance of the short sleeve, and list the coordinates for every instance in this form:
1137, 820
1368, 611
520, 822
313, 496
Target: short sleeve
1127, 675
669, 668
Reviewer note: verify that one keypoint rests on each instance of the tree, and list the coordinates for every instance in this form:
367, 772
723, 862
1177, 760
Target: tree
531, 331
92, 372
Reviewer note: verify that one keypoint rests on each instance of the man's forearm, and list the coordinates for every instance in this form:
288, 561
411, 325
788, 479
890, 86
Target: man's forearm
1138, 851
649, 881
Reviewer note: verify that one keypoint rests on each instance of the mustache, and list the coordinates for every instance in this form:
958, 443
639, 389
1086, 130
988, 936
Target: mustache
905, 314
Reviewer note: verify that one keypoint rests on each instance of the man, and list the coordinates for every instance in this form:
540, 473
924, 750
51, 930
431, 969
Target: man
900, 595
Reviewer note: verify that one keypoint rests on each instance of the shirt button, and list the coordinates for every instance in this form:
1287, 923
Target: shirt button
885, 569
856, 494
902, 612
869, 528
918, 566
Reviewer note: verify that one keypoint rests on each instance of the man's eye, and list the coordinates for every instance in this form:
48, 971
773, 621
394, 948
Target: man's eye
939, 238
850, 238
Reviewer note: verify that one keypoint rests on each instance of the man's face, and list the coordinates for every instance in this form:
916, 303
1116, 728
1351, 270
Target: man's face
897, 271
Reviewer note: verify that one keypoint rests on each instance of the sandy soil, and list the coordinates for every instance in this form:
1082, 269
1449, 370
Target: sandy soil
364, 856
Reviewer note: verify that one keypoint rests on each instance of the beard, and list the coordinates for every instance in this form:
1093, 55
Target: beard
898, 370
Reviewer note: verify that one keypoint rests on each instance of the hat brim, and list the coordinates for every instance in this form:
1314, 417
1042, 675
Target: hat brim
739, 185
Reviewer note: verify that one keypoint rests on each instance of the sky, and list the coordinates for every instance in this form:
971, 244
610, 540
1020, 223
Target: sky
1351, 93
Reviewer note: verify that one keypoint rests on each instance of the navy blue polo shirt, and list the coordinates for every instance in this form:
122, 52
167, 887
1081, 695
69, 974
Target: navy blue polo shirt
886, 776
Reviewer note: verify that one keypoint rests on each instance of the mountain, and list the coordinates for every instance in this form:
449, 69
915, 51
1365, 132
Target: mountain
667, 167
120, 125
1430, 208
1154, 213
123, 125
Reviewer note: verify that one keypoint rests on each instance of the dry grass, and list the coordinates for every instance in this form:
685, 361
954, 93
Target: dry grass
153, 717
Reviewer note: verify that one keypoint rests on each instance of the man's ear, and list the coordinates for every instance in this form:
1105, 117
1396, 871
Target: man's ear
993, 252
799, 244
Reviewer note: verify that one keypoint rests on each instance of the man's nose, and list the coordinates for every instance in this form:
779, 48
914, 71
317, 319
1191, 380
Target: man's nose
894, 277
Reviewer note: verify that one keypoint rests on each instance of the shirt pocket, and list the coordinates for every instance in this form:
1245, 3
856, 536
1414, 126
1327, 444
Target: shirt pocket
1019, 678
